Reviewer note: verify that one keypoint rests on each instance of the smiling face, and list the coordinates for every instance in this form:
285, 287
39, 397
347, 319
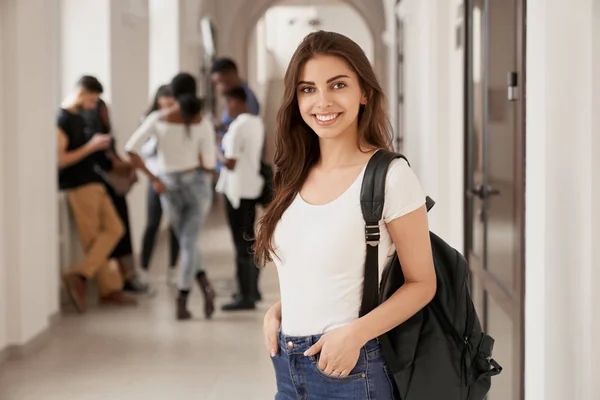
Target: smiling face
329, 96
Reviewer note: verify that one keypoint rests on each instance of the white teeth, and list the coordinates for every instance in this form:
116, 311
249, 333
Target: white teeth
326, 118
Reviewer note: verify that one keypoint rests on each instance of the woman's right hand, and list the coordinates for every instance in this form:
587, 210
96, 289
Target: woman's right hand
158, 186
271, 325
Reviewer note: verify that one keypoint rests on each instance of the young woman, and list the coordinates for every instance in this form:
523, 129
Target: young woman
163, 100
331, 121
185, 142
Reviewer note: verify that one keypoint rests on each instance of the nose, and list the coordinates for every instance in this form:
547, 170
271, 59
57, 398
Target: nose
324, 100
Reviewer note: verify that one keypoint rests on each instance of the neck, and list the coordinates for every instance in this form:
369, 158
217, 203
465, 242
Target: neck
341, 151
240, 112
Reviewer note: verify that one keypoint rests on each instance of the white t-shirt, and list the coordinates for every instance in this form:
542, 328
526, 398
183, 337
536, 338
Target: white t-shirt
148, 153
177, 149
243, 142
322, 249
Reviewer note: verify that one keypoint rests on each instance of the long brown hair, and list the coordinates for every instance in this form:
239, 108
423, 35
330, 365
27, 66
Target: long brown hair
297, 145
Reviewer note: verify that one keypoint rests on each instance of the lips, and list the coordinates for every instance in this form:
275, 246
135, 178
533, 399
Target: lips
326, 119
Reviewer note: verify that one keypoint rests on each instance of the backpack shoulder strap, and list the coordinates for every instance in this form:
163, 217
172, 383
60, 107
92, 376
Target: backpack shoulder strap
372, 199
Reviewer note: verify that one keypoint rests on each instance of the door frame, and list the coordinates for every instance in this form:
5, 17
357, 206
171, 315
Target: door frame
512, 303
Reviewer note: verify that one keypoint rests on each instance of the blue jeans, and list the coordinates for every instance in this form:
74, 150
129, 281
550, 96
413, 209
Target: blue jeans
187, 201
299, 377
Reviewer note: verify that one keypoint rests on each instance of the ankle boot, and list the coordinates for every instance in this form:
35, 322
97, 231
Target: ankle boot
208, 292
182, 310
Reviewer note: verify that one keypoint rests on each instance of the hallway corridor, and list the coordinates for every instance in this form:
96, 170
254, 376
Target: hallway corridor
143, 353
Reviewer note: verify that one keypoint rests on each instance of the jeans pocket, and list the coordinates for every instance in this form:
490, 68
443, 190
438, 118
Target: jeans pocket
358, 372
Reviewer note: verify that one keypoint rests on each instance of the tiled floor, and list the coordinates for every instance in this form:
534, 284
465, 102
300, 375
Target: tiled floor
143, 353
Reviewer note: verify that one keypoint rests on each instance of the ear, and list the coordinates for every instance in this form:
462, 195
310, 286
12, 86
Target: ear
363, 100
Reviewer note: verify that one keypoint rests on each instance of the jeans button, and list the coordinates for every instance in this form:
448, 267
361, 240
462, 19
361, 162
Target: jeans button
290, 345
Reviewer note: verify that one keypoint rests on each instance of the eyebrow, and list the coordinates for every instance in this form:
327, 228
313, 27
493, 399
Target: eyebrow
328, 80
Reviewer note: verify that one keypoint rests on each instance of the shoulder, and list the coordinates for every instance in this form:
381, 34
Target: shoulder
235, 124
399, 170
250, 121
403, 190
153, 117
64, 117
205, 126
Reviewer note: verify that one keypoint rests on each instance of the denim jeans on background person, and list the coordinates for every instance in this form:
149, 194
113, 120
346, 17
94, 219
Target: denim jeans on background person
154, 214
299, 376
186, 203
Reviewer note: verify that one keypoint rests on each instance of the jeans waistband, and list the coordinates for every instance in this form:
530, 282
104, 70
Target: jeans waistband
182, 177
299, 344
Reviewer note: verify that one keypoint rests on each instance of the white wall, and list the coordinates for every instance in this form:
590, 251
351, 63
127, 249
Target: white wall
85, 27
452, 158
28, 261
164, 42
561, 281
433, 130
3, 265
595, 325
191, 52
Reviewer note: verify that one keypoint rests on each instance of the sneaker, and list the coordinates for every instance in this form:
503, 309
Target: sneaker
119, 299
142, 276
239, 306
135, 286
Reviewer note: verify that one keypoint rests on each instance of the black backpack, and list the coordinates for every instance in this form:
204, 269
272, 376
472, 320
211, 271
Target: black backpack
440, 352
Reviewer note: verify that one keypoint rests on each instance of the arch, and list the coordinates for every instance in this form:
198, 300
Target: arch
245, 20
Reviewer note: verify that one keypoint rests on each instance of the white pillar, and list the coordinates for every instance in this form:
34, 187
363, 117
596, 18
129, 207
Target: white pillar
561, 283
595, 281
28, 206
85, 42
190, 39
433, 70
164, 42
110, 40
175, 40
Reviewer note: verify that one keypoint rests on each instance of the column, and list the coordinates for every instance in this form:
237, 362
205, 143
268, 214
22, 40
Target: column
175, 40
595, 238
28, 214
164, 42
561, 281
